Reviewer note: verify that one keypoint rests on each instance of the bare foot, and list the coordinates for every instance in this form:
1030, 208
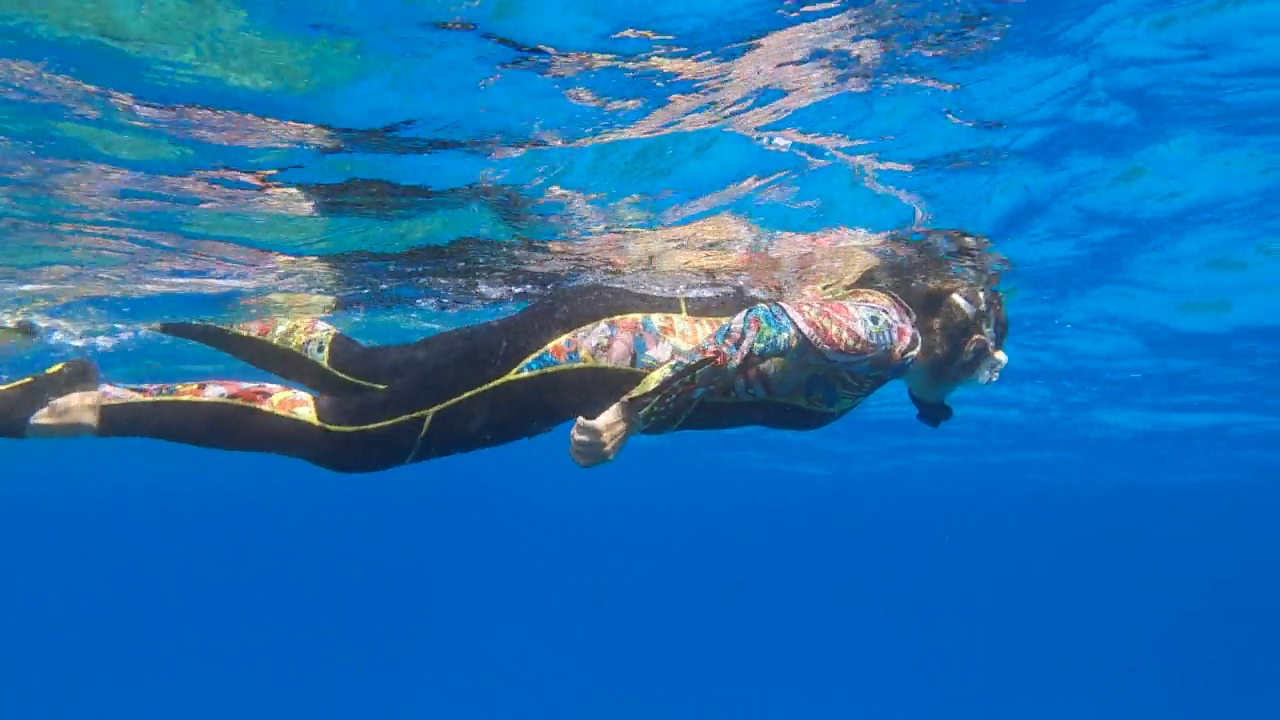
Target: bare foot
68, 416
593, 442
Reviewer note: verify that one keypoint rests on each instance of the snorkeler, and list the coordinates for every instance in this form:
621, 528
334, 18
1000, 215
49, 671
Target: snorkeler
622, 363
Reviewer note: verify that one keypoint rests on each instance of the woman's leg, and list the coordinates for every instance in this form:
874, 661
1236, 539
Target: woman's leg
433, 370
459, 391
351, 434
259, 417
22, 399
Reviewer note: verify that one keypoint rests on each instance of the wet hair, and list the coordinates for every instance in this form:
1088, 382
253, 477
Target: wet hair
948, 278
960, 327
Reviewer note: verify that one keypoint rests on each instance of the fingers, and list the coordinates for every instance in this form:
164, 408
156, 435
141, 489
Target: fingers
593, 442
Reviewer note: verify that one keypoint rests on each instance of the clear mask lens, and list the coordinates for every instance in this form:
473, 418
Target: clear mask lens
989, 371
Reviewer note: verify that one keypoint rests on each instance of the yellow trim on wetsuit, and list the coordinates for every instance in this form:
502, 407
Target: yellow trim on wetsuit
16, 383
417, 445
513, 374
31, 378
371, 426
427, 414
325, 364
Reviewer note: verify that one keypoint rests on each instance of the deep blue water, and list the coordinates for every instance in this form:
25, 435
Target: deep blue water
1095, 536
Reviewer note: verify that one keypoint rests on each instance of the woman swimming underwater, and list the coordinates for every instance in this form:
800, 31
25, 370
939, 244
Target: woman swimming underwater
619, 362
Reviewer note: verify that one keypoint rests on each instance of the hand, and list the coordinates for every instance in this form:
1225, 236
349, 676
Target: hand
593, 442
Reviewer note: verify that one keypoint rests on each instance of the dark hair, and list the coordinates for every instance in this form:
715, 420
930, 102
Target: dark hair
925, 269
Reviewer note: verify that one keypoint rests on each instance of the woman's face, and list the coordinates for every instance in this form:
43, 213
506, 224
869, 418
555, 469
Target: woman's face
984, 357
973, 335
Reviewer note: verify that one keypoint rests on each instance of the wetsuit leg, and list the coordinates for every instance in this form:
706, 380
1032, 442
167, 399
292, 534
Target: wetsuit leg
354, 433
455, 392
445, 366
260, 417
307, 351
21, 399
440, 367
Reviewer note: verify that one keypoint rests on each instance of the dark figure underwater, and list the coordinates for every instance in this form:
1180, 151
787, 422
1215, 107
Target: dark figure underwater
622, 363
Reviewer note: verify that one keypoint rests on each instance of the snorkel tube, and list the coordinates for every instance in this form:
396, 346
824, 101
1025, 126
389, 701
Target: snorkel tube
932, 414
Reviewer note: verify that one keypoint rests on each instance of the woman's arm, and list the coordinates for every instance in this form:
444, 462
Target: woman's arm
762, 353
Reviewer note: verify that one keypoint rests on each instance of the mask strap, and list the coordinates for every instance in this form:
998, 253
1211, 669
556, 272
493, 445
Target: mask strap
964, 304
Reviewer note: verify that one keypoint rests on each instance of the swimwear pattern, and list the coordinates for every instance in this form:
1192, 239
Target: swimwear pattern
642, 342
762, 354
309, 337
865, 327
270, 397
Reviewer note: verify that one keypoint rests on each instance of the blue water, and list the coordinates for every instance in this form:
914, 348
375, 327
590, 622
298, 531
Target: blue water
1095, 536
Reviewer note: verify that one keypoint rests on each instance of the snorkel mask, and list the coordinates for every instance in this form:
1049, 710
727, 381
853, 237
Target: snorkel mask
982, 347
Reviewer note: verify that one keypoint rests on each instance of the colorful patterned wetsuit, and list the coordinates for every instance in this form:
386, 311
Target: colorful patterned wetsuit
824, 356
693, 363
